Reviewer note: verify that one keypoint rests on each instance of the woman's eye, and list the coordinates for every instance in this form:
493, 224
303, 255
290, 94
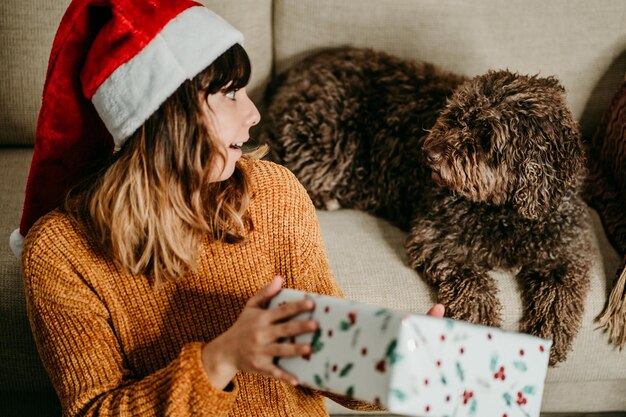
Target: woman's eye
230, 94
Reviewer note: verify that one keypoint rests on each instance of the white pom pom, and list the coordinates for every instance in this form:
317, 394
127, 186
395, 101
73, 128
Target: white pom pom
17, 243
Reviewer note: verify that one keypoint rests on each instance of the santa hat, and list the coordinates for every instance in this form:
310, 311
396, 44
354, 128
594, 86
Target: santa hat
113, 63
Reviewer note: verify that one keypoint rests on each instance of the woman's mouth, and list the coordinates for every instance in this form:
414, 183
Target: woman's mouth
238, 145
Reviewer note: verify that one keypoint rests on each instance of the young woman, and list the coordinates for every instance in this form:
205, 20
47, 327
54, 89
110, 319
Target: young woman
147, 288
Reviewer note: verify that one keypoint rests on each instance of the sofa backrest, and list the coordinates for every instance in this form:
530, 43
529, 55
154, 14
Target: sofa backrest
581, 42
27, 29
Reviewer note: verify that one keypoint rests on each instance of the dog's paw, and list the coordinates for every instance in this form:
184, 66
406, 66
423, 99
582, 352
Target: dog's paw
473, 300
561, 336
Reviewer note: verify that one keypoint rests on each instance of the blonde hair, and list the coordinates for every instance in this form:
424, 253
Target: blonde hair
154, 203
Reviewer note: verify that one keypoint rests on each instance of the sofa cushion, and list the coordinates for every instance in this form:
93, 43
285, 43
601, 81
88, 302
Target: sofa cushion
368, 259
27, 29
20, 367
578, 41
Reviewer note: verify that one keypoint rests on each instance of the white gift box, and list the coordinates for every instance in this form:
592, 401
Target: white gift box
418, 365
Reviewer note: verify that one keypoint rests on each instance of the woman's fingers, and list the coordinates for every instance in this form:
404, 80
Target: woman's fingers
282, 375
292, 328
438, 310
288, 310
284, 350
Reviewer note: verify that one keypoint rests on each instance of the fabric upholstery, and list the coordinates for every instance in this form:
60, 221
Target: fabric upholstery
20, 367
368, 260
578, 41
27, 29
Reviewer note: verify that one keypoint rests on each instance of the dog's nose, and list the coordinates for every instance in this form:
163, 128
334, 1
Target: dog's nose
433, 155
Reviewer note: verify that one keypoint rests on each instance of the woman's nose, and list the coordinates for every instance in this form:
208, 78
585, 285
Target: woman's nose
253, 117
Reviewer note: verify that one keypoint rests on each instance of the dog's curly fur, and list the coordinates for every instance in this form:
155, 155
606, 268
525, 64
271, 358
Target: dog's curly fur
484, 173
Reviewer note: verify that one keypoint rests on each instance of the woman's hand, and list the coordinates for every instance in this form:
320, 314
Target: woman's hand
251, 344
438, 310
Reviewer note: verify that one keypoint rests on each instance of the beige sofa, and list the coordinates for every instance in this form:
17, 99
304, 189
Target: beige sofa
583, 43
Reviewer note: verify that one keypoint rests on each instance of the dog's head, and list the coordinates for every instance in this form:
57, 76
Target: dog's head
505, 138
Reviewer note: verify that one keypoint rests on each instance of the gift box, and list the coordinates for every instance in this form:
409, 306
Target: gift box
418, 365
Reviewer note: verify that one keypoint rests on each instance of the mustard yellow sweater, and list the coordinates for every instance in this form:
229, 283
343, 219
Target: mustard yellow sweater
114, 345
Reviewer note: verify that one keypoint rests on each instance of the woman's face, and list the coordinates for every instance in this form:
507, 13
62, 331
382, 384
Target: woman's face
230, 114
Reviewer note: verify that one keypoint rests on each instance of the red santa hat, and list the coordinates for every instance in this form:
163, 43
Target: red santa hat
112, 64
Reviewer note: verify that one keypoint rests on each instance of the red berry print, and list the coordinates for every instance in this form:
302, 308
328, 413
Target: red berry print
330, 332
541, 348
462, 351
364, 351
380, 366
426, 381
489, 336
352, 317
500, 374
521, 352
334, 368
448, 398
438, 364
326, 309
443, 337
467, 395
427, 408
504, 415
521, 400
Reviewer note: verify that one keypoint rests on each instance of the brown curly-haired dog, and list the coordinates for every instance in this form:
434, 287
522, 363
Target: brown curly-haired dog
484, 173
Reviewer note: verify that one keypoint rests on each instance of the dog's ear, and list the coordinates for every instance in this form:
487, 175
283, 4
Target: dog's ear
550, 162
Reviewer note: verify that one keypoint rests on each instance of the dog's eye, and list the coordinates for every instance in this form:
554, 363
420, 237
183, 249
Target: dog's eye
485, 142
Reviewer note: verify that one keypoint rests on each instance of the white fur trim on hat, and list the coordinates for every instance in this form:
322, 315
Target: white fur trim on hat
185, 46
17, 243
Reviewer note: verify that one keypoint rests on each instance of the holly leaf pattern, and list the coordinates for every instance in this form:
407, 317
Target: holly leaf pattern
317, 343
520, 366
399, 394
493, 364
386, 321
394, 357
346, 370
318, 381
449, 324
473, 406
529, 389
459, 372
350, 392
507, 398
391, 348
344, 325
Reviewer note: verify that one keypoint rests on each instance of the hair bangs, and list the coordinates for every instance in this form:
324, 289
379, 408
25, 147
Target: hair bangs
231, 69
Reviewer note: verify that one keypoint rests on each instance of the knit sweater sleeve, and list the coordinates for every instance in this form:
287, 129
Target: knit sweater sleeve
314, 274
79, 349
